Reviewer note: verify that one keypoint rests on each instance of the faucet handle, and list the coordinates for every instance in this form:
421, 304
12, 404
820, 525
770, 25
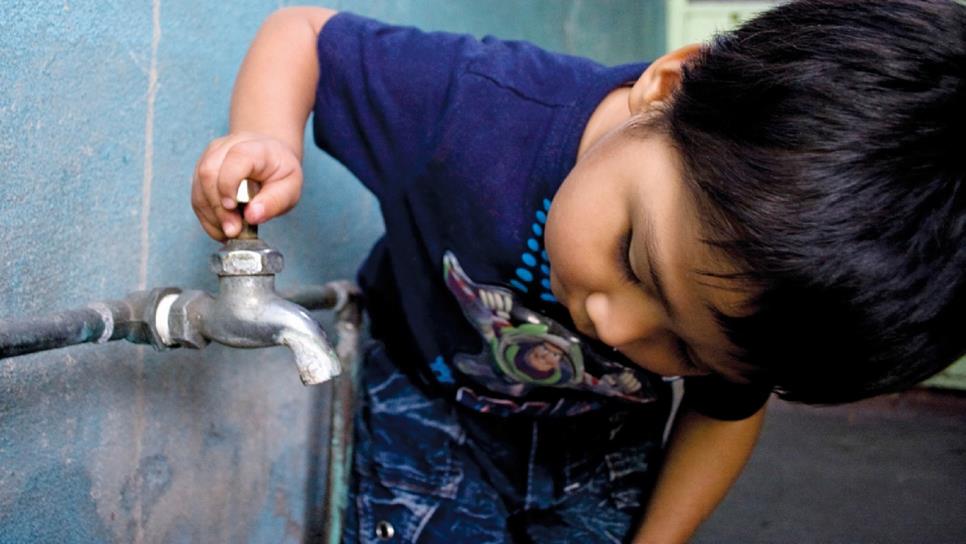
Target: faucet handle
246, 191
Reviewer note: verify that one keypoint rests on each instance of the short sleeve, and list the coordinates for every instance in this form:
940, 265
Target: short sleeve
719, 399
382, 92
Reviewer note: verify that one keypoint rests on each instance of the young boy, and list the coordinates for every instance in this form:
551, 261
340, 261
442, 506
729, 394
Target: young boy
782, 209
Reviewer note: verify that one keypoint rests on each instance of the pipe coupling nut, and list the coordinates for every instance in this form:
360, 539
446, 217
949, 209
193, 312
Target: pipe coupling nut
246, 258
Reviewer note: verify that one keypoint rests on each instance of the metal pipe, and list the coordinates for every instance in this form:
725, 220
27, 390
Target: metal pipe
342, 410
99, 322
131, 319
333, 295
92, 324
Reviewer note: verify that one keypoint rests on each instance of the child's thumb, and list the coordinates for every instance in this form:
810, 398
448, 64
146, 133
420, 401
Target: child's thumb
275, 198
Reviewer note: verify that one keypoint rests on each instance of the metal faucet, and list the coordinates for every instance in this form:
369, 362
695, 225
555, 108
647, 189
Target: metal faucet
247, 312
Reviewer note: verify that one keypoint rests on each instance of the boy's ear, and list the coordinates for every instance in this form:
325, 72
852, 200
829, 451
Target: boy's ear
660, 79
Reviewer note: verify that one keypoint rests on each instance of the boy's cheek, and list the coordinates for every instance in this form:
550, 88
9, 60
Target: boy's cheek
558, 290
555, 286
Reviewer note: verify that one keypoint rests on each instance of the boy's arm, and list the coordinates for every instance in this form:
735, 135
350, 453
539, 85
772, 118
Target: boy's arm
275, 88
273, 96
704, 458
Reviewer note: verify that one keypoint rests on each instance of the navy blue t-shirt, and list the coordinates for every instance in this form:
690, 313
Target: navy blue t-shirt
464, 142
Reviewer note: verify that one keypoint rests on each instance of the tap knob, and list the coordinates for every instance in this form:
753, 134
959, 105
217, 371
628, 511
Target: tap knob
246, 191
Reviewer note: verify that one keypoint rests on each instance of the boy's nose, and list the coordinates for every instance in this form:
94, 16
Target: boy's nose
618, 322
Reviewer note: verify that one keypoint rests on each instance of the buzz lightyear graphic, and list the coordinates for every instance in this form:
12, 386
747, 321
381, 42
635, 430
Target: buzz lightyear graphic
525, 349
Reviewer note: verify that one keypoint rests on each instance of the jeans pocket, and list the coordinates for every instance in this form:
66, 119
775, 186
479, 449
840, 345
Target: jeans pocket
406, 479
405, 460
435, 475
393, 514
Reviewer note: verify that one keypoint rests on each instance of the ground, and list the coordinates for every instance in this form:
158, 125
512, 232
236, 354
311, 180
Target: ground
888, 470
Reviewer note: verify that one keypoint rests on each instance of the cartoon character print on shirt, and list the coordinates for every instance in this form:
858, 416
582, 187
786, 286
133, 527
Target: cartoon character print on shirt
525, 349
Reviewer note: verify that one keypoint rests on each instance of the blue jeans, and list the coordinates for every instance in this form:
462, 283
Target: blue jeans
427, 470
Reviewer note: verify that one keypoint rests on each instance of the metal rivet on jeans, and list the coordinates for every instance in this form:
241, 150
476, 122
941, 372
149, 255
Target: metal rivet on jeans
385, 530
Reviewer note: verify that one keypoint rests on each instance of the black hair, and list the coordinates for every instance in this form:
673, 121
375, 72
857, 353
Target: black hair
825, 144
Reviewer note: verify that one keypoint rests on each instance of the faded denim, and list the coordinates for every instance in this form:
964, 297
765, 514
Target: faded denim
429, 471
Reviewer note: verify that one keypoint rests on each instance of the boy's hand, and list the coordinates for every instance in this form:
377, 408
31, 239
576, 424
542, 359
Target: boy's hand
225, 163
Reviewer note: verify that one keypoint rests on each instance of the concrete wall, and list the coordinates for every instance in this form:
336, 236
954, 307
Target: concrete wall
104, 107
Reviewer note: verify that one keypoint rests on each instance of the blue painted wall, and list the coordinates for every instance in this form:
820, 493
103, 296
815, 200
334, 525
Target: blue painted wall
104, 107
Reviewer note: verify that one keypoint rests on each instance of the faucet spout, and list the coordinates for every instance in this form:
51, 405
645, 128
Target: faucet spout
316, 360
247, 313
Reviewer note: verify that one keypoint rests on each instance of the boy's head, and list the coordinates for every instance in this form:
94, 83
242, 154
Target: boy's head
803, 189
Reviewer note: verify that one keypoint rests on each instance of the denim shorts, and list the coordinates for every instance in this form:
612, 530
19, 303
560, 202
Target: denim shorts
428, 470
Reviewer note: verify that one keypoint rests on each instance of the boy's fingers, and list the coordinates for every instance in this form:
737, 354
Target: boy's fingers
274, 199
206, 215
206, 178
242, 160
230, 221
224, 224
210, 223
222, 167
213, 231
215, 219
199, 202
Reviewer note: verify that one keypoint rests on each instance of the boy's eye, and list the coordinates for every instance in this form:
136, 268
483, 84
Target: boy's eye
627, 271
624, 259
